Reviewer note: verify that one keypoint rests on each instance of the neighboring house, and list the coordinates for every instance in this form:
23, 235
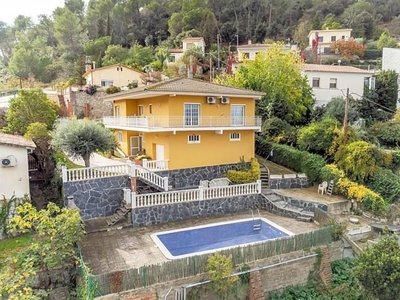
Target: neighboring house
14, 173
327, 37
329, 81
187, 43
189, 122
249, 51
391, 61
116, 75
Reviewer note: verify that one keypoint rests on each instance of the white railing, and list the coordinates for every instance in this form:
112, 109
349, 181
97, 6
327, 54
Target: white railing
155, 165
148, 175
182, 122
93, 172
141, 200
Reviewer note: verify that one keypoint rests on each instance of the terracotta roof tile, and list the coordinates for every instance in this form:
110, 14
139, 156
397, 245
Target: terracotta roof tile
16, 140
331, 68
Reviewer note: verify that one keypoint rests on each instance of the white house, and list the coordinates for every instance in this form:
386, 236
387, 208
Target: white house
327, 37
391, 61
187, 43
14, 175
329, 81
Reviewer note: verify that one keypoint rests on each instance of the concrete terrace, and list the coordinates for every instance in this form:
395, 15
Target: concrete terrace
119, 249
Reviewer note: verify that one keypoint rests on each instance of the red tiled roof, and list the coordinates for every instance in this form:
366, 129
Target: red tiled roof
333, 68
16, 140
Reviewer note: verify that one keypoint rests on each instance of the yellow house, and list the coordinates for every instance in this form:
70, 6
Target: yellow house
189, 123
116, 75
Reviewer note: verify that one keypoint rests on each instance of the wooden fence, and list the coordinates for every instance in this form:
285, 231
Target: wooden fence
194, 265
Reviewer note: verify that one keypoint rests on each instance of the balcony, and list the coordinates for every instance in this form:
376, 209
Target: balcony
159, 124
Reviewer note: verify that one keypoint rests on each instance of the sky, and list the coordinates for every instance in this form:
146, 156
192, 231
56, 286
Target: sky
31, 8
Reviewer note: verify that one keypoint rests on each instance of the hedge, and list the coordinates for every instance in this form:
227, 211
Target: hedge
387, 184
370, 200
292, 158
248, 176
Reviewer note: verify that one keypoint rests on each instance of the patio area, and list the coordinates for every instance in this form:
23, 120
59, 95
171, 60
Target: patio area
118, 248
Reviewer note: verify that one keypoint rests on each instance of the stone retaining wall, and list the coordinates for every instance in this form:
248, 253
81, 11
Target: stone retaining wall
305, 205
145, 216
190, 177
96, 197
289, 181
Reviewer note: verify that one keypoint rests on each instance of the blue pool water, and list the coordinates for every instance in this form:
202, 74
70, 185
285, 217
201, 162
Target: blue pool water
209, 238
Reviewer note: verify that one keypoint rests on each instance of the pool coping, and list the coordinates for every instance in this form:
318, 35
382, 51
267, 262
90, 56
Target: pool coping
164, 250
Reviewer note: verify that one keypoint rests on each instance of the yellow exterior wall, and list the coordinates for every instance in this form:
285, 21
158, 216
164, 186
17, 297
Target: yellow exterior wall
150, 141
119, 78
213, 149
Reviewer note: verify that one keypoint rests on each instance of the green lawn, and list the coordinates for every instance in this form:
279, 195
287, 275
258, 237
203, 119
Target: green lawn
13, 244
62, 158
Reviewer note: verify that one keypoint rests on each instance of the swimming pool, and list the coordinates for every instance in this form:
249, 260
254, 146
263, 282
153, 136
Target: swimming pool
217, 236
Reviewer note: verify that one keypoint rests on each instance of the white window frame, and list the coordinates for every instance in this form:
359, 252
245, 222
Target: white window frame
237, 120
120, 137
191, 120
194, 139
235, 136
117, 111
333, 83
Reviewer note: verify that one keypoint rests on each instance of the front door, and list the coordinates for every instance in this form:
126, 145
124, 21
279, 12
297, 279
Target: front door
136, 144
159, 152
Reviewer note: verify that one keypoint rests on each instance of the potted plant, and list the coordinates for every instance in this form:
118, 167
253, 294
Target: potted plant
138, 159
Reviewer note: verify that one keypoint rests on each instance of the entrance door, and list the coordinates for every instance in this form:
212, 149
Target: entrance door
136, 144
159, 152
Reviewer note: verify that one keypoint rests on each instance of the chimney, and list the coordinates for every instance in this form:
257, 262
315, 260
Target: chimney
94, 65
249, 42
88, 67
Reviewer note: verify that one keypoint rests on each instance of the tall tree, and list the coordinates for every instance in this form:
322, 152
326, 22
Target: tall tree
276, 73
30, 106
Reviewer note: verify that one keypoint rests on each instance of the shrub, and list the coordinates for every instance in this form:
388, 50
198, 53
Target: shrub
279, 131
112, 89
299, 161
387, 184
388, 133
133, 84
248, 176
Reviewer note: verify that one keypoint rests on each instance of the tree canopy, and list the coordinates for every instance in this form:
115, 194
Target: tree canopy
276, 73
80, 138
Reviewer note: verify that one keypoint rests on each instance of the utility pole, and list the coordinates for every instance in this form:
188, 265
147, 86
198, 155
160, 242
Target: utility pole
211, 68
345, 120
218, 49
237, 41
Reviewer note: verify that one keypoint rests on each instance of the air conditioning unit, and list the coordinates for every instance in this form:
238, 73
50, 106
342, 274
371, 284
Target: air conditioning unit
224, 100
211, 100
9, 161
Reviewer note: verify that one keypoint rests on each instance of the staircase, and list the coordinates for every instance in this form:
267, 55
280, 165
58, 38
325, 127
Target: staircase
120, 214
264, 177
152, 179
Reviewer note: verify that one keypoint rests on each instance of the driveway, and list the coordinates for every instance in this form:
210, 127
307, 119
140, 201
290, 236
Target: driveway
97, 160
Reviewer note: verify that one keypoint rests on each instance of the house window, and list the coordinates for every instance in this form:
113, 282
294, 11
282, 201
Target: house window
343, 37
171, 58
237, 115
120, 137
117, 69
150, 108
320, 39
369, 83
315, 82
246, 55
235, 136
189, 45
140, 110
106, 82
333, 83
192, 114
117, 111
194, 139
333, 38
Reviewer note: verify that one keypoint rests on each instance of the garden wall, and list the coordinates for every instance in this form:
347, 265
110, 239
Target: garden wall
289, 181
190, 177
144, 216
96, 197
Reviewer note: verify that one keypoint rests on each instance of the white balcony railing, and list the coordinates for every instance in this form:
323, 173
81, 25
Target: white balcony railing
152, 122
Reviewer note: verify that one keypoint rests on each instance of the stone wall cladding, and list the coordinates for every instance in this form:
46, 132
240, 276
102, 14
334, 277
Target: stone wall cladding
256, 291
289, 183
97, 197
98, 108
145, 216
190, 177
305, 205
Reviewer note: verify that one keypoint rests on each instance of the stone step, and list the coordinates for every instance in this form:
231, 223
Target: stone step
273, 198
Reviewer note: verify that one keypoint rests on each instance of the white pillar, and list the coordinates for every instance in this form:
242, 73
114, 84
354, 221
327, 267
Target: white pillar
201, 192
165, 182
64, 174
133, 200
259, 186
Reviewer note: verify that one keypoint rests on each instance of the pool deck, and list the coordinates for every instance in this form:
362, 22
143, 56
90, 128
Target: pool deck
125, 248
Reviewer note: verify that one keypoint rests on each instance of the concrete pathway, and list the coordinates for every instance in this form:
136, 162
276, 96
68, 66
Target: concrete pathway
97, 160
